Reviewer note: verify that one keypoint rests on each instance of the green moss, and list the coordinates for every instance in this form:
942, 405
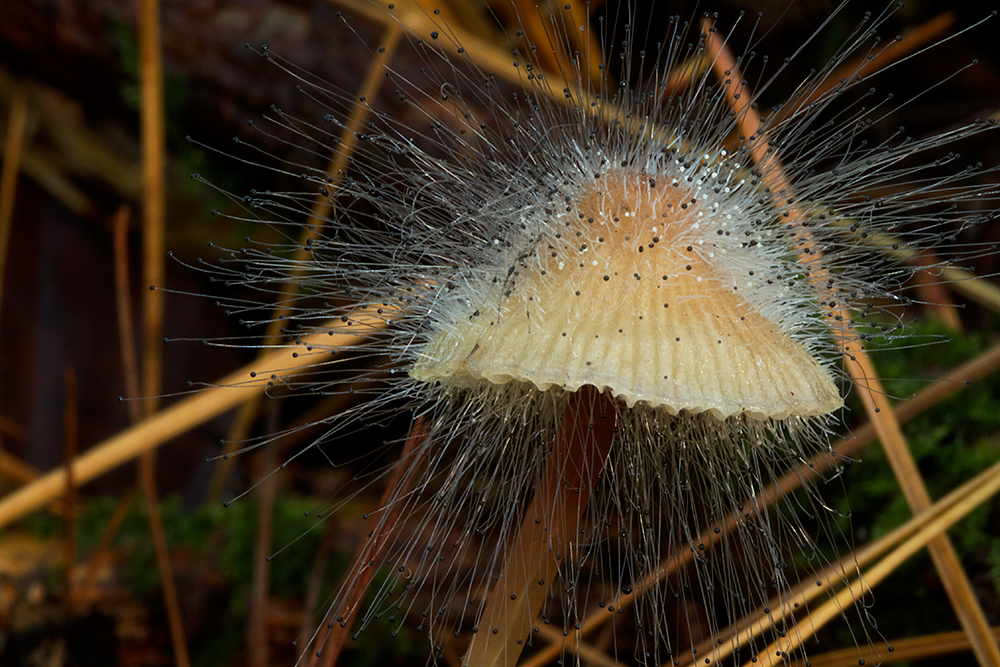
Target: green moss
951, 443
220, 536
175, 89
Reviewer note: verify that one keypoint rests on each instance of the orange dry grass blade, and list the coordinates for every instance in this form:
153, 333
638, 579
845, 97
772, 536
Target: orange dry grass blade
15, 470
954, 381
123, 299
873, 396
959, 280
130, 364
256, 625
417, 22
945, 386
180, 417
37, 163
545, 541
311, 230
587, 42
8, 174
153, 130
957, 585
935, 519
528, 15
892, 52
485, 54
8, 183
555, 30
911, 648
931, 290
893, 549
153, 193
982, 292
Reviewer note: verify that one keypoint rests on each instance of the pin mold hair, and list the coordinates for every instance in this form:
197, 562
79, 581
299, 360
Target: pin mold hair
599, 215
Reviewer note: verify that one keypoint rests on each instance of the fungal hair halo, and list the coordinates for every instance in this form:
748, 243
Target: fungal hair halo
611, 296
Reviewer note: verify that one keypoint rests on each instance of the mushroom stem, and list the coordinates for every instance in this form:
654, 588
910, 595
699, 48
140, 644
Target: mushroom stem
547, 541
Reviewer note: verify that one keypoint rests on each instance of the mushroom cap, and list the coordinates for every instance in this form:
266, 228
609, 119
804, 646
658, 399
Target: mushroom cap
638, 305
